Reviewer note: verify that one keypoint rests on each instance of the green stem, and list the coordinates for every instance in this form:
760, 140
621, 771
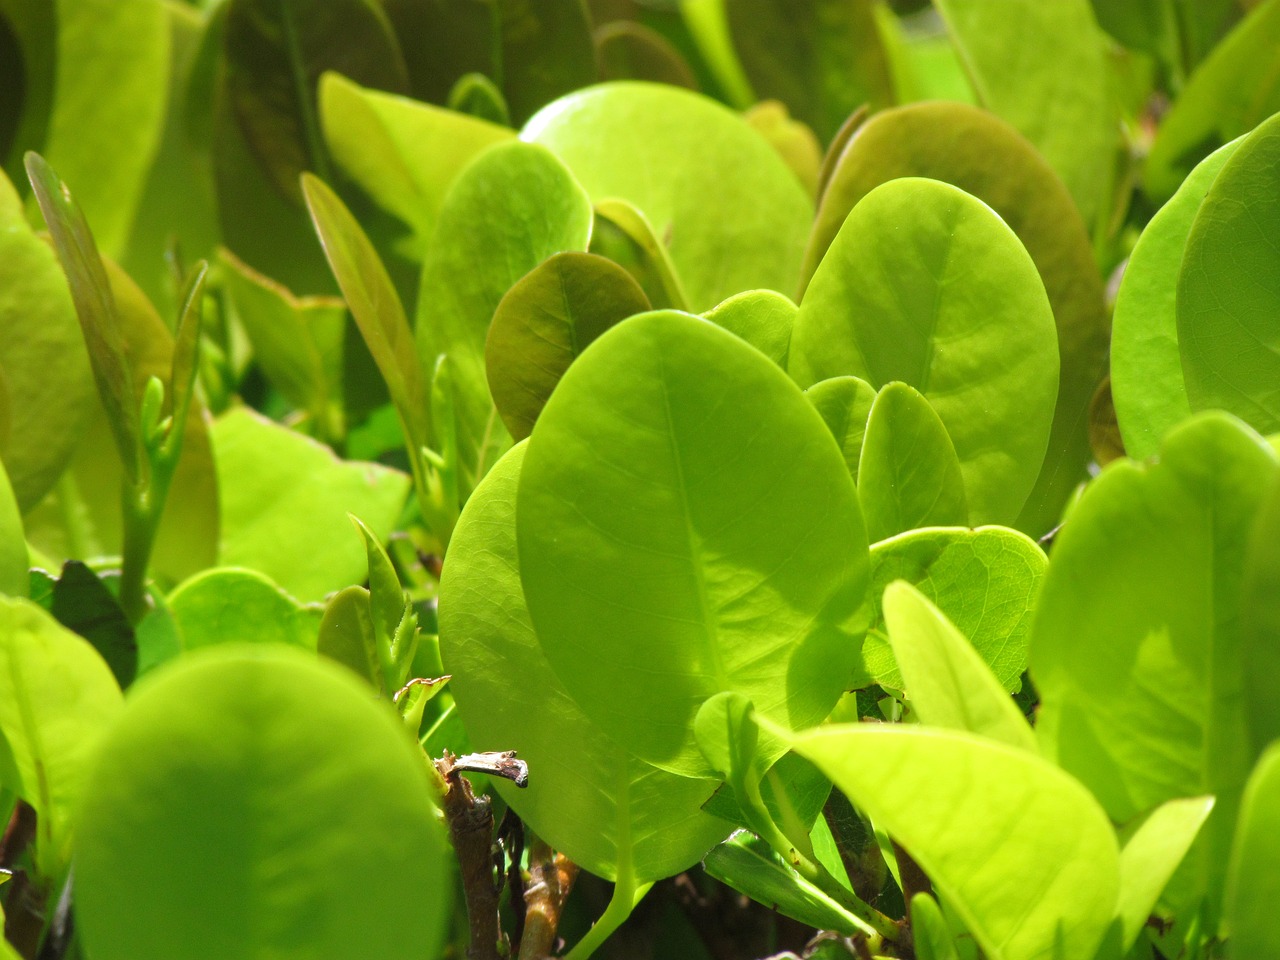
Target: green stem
626, 894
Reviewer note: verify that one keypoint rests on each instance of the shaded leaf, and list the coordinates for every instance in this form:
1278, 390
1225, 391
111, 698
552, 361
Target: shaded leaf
227, 605
627, 50
794, 142
623, 234
844, 403
347, 636
83, 603
13, 543
544, 322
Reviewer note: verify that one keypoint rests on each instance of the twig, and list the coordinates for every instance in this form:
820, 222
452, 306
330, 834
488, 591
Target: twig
551, 878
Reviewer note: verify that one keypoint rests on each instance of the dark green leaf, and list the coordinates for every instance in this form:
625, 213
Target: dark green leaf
624, 235
544, 322
631, 51
82, 603
475, 95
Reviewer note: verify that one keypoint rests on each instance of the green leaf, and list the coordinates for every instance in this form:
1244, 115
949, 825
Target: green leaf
908, 473
984, 581
297, 341
793, 788
1229, 356
925, 284
1151, 854
374, 304
716, 511
42, 356
822, 58
547, 51
1260, 623
395, 622
589, 797
945, 679
475, 257
731, 214
1232, 92
930, 934
791, 139
627, 50
622, 233
748, 865
285, 500
763, 318
347, 636
111, 87
81, 601
266, 751
96, 309
404, 154
275, 53
1136, 641
1063, 103
1253, 883
228, 605
13, 543
844, 403
986, 157
475, 95
1147, 384
544, 322
57, 698
1021, 851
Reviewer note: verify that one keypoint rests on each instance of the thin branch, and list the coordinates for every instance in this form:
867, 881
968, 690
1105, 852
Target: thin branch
470, 820
551, 878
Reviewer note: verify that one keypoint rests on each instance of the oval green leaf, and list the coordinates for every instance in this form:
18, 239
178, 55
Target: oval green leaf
984, 581
763, 318
1136, 648
1230, 354
844, 403
587, 796
908, 473
227, 605
1022, 852
544, 322
476, 256
266, 752
682, 535
945, 679
732, 214
1147, 386
985, 156
57, 699
925, 284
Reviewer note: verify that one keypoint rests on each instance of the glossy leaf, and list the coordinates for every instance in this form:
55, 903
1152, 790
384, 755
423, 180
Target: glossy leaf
110, 84
267, 751
374, 303
748, 865
945, 679
1253, 884
925, 284
732, 215
57, 698
275, 53
986, 157
1230, 355
1151, 854
1147, 384
478, 253
589, 797
285, 500
908, 474
763, 318
42, 356
403, 153
1021, 851
95, 307
228, 605
544, 322
1234, 90
822, 58
1062, 104
1136, 644
298, 341
626, 503
844, 403
984, 581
